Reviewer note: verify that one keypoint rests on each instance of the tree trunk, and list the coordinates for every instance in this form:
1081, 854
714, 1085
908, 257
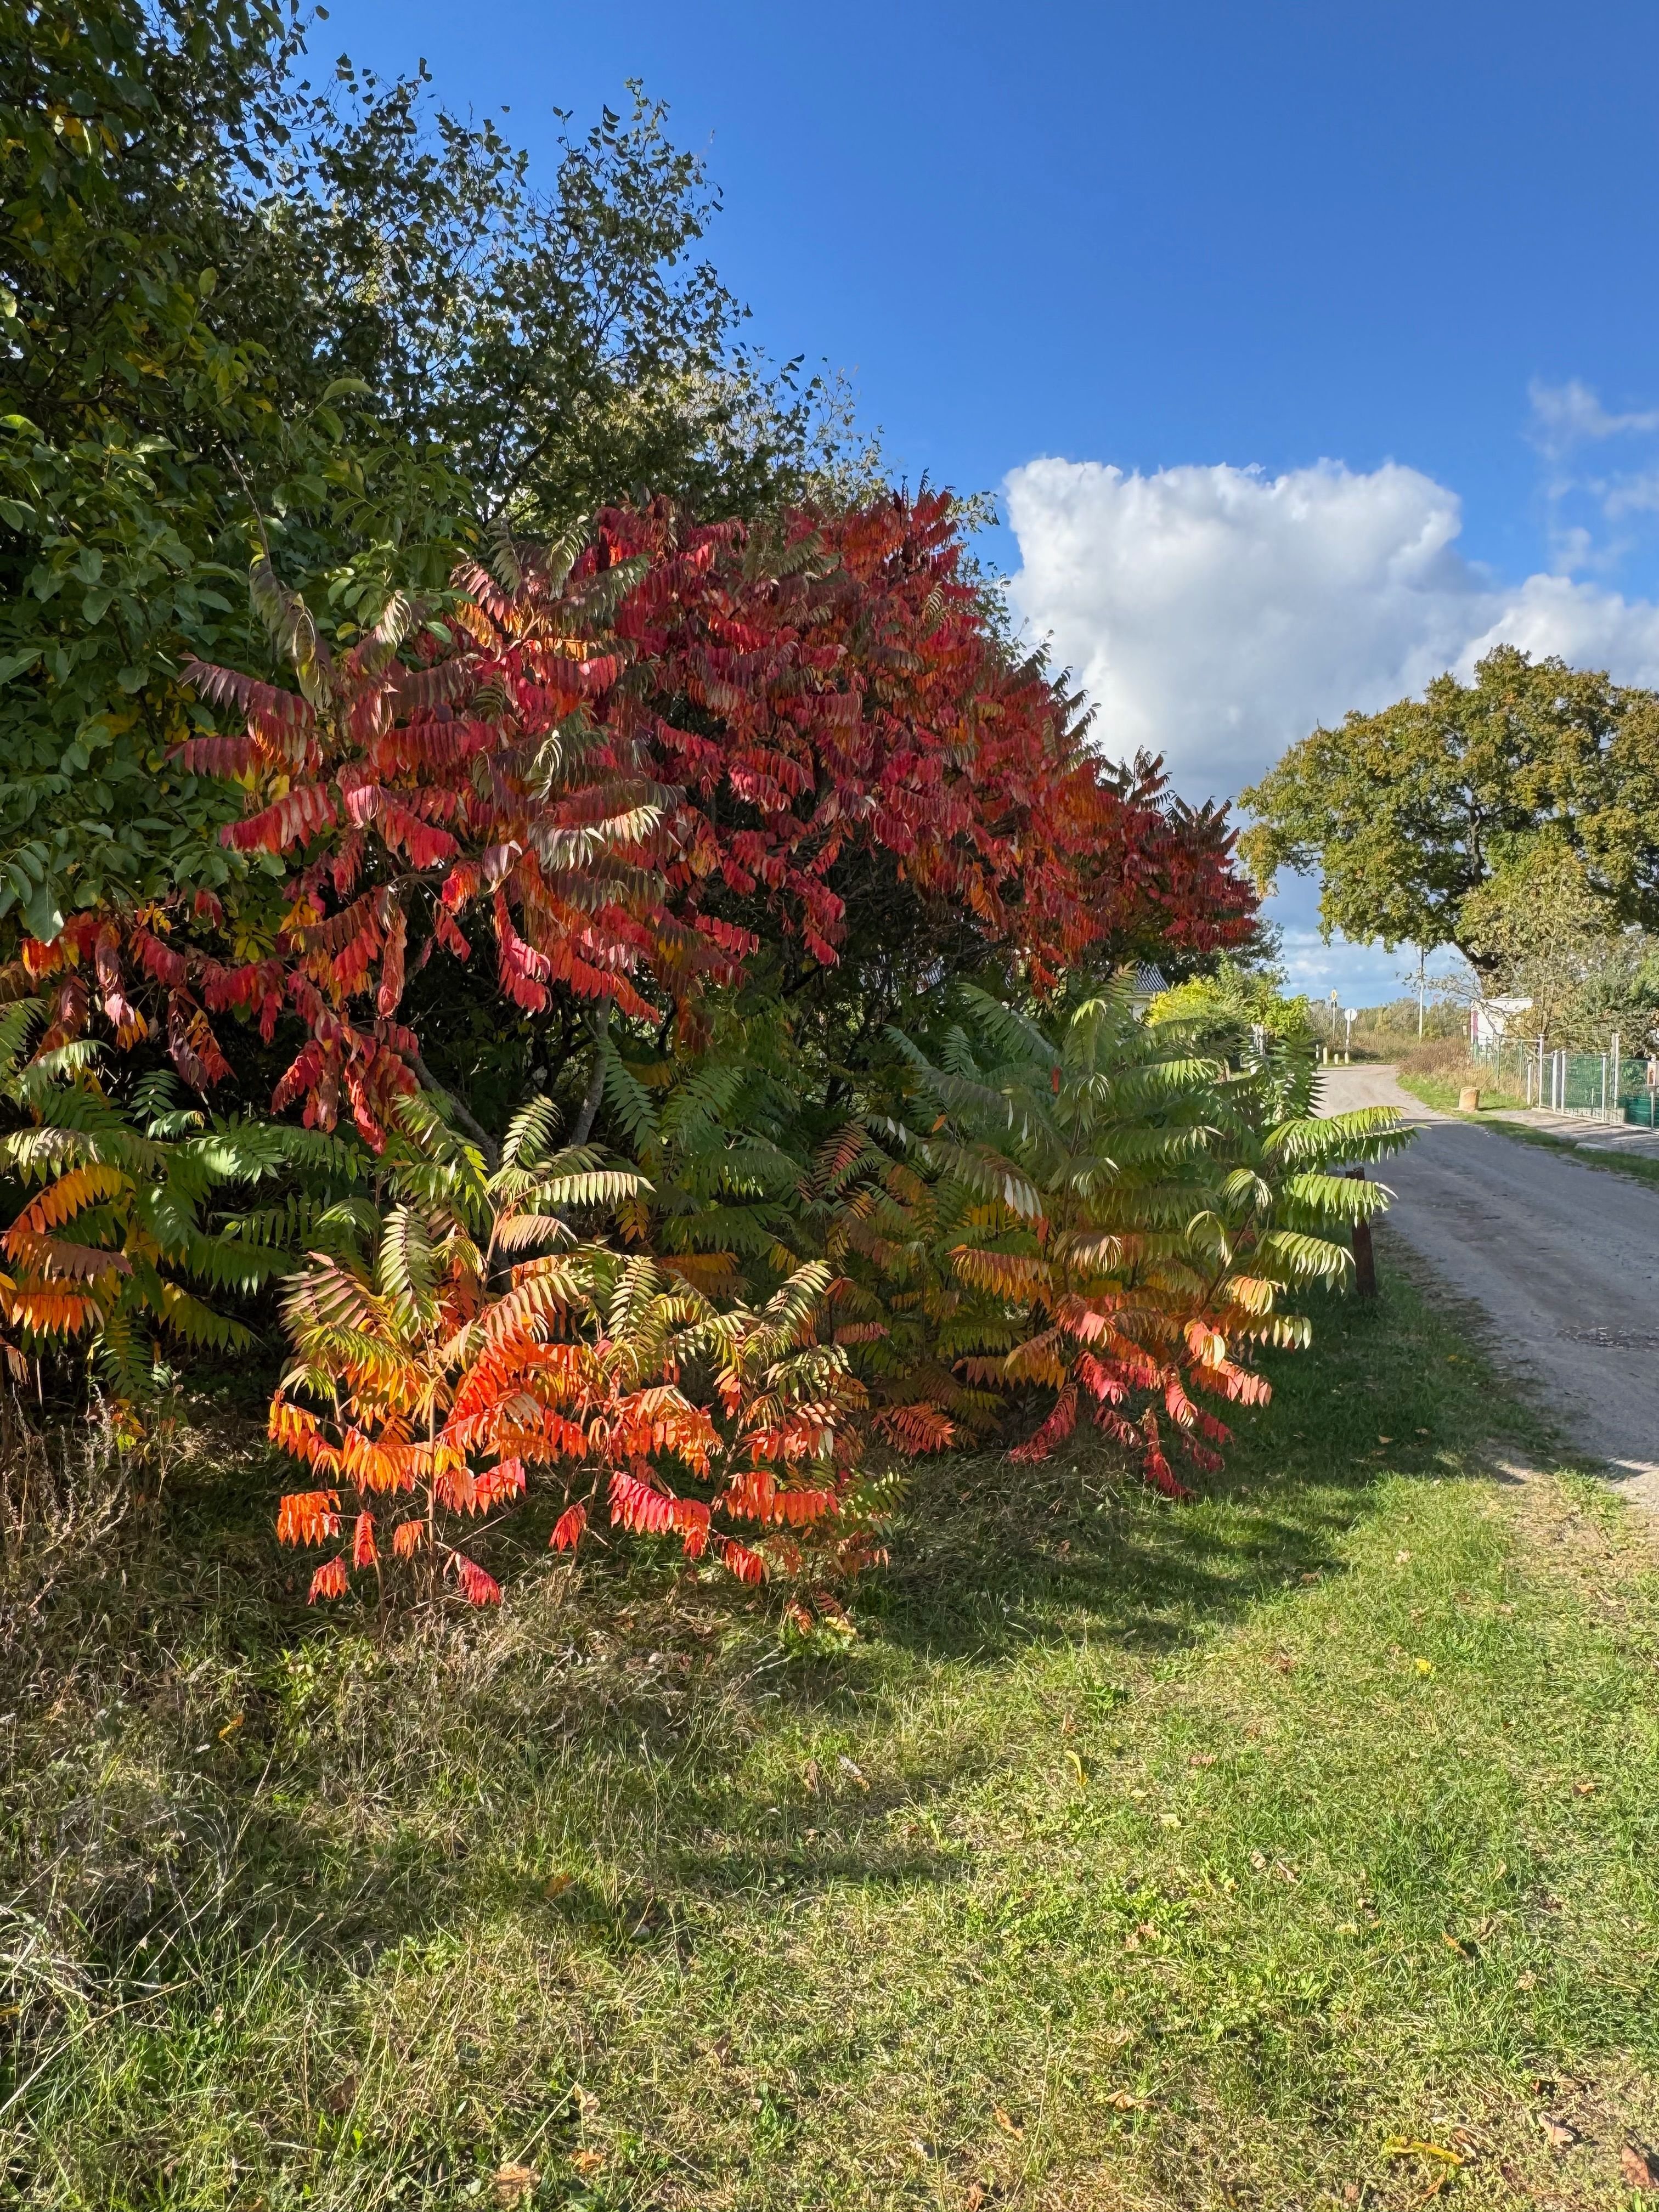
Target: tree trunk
474, 1128
595, 1090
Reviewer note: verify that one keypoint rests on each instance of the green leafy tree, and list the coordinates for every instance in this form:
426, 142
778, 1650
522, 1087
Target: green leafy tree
133, 1222
1227, 1009
1547, 936
237, 311
1406, 813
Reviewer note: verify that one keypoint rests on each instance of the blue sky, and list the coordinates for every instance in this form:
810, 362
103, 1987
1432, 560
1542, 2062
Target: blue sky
1157, 249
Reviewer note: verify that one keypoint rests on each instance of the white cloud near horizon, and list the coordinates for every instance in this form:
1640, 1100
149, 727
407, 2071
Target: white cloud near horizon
1217, 614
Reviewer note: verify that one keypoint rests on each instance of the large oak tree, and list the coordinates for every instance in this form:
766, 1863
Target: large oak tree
1406, 813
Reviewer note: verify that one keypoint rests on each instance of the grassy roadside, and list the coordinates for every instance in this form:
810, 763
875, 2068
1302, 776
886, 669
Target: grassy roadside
1637, 1167
1441, 1090
1128, 1857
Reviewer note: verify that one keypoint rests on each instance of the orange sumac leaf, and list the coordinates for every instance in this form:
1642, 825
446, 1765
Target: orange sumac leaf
567, 1529
308, 1517
330, 1580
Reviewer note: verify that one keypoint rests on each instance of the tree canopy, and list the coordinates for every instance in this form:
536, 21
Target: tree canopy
449, 683
237, 308
1404, 814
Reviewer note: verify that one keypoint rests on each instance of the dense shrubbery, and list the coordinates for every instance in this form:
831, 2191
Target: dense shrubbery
687, 946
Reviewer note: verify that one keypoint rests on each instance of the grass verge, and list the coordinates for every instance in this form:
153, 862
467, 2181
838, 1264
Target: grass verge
1442, 1091
1292, 1848
1636, 1167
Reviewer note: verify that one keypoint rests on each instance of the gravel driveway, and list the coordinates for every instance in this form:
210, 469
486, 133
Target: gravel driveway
1563, 1260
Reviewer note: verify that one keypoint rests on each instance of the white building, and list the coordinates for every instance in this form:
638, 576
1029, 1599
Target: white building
1490, 1018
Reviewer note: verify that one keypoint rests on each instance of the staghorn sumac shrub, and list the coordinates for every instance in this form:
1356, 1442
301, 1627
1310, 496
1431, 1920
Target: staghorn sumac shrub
1108, 1222
632, 761
136, 1219
1091, 1214
475, 1345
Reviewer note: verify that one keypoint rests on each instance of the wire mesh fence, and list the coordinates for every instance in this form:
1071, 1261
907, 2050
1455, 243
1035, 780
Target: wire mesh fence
1623, 1086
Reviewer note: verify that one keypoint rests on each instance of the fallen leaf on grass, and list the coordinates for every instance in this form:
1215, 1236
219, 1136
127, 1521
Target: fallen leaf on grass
231, 1727
1076, 1766
1452, 1944
1385, 1440
587, 2162
1584, 1789
810, 1775
1009, 2127
342, 2096
857, 1772
973, 2196
558, 1884
1638, 2167
1202, 1758
1408, 2147
1401, 1559
1559, 2135
513, 2183
1125, 2100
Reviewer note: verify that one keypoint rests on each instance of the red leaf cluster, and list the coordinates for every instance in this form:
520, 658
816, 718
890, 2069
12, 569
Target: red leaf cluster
597, 763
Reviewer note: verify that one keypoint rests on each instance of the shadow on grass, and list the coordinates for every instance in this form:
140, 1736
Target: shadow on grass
993, 1555
371, 1794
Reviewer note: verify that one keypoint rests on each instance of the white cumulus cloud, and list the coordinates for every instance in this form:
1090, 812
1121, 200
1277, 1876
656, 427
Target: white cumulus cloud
1216, 613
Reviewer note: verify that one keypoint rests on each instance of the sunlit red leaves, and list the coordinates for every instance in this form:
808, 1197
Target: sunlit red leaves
790, 701
477, 1587
547, 1367
567, 1529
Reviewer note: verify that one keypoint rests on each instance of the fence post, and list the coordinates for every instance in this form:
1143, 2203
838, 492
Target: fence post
1617, 1107
1604, 1083
1365, 1259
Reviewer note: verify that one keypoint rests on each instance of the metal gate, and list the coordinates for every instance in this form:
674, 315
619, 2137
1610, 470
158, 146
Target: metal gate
1607, 1085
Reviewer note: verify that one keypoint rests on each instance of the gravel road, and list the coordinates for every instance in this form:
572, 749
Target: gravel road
1562, 1258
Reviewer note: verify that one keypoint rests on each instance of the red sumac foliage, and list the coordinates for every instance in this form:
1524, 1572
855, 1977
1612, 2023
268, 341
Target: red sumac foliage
443, 1371
596, 759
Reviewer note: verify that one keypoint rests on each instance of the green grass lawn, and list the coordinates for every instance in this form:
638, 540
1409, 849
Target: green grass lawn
1295, 1848
1442, 1091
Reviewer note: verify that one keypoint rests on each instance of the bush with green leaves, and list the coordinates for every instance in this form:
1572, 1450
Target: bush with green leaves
134, 1221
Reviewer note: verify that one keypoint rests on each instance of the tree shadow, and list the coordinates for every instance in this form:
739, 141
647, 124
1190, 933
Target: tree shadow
625, 1722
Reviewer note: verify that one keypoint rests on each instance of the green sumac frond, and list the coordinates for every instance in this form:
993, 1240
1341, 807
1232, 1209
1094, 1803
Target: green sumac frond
439, 1378
1121, 1219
